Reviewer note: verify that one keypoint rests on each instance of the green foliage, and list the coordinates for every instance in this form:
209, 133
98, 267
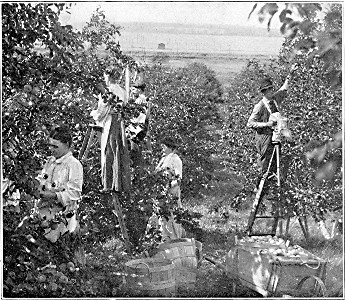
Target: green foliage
55, 81
317, 114
42, 88
28, 256
24, 26
184, 108
324, 36
314, 112
99, 32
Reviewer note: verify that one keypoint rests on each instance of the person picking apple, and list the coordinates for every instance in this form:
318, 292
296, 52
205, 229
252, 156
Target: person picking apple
61, 186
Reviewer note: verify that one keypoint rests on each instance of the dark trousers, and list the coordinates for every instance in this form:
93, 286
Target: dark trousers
265, 147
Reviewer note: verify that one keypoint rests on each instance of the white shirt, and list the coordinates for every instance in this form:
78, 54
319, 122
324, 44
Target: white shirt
171, 161
141, 99
102, 116
65, 177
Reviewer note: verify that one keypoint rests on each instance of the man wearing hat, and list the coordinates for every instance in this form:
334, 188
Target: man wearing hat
138, 89
137, 130
260, 121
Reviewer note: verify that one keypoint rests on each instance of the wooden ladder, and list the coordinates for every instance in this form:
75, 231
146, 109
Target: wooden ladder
91, 137
276, 217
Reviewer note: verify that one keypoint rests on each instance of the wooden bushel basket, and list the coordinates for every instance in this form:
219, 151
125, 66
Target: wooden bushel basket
182, 252
151, 277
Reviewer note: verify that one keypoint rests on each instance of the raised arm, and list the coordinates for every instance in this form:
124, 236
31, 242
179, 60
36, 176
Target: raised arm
280, 95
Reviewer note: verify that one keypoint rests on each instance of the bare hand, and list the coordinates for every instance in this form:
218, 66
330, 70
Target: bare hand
48, 195
293, 68
271, 124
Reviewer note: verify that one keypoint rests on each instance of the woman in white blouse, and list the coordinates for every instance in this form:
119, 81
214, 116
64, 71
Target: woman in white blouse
171, 163
61, 182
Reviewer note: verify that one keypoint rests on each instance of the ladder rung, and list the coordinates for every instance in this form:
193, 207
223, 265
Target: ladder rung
266, 217
260, 234
96, 127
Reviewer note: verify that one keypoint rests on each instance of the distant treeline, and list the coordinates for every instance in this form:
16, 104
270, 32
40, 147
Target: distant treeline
171, 28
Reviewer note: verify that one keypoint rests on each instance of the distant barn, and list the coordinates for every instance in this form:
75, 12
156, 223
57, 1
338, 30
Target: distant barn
161, 46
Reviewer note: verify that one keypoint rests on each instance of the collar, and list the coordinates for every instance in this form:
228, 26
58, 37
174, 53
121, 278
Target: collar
62, 158
265, 100
167, 155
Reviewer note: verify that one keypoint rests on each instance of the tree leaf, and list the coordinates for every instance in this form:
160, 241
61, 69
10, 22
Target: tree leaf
282, 15
254, 7
326, 172
306, 26
305, 44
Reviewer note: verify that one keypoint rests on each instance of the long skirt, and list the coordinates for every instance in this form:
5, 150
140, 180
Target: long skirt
170, 229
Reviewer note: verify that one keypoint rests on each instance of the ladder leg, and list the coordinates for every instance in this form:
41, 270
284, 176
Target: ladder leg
276, 147
255, 207
258, 198
277, 221
121, 221
89, 143
287, 227
85, 142
304, 230
306, 226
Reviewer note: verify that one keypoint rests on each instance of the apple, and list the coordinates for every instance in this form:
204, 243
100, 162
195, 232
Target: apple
71, 266
40, 84
53, 286
63, 279
35, 90
54, 226
44, 224
41, 278
63, 267
27, 88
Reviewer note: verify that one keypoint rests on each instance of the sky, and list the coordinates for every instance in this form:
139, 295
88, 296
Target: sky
192, 12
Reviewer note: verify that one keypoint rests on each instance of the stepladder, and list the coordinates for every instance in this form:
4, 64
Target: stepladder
92, 137
272, 177
272, 172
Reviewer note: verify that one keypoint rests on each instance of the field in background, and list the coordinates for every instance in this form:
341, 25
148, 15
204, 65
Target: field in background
225, 65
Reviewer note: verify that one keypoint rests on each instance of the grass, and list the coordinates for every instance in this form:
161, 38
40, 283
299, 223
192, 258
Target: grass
219, 236
218, 232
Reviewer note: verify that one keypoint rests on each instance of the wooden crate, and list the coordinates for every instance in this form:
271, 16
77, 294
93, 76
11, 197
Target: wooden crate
271, 274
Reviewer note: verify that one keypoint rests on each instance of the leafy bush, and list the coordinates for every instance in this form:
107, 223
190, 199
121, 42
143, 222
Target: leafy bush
55, 84
314, 111
184, 108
